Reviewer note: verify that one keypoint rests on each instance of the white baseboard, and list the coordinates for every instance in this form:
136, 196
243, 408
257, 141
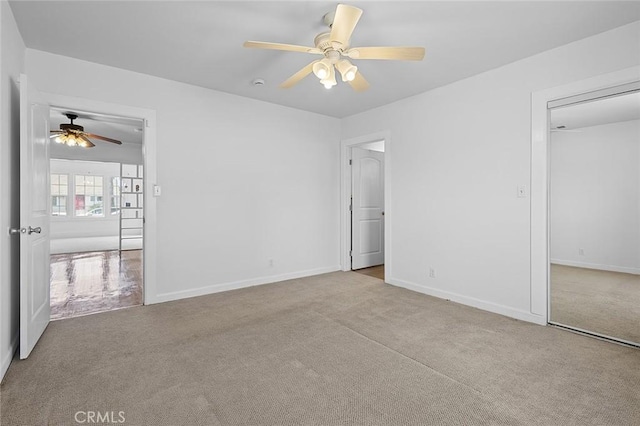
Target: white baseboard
6, 359
104, 243
470, 301
216, 288
611, 268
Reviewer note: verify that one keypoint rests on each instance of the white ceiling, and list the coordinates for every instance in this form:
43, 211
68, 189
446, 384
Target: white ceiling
200, 42
598, 112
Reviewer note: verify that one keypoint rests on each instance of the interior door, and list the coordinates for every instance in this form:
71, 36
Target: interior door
34, 217
367, 212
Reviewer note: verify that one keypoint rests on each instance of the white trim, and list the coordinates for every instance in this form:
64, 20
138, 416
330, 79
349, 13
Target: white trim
611, 91
6, 361
217, 288
539, 175
597, 266
345, 191
149, 149
471, 301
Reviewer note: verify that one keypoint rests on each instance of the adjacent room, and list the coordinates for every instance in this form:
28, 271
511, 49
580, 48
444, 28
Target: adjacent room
311, 212
96, 225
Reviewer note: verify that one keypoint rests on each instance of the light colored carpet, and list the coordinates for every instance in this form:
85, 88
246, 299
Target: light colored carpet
335, 349
599, 301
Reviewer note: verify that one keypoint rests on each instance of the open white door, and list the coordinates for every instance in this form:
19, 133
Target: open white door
34, 217
367, 214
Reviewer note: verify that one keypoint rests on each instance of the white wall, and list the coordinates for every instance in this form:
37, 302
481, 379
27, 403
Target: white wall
456, 157
595, 197
243, 181
71, 226
11, 65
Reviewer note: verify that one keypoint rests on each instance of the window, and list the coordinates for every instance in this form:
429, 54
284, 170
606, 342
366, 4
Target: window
115, 195
59, 194
88, 196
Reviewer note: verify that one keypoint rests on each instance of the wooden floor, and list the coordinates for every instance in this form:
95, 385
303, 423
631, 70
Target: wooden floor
87, 283
374, 271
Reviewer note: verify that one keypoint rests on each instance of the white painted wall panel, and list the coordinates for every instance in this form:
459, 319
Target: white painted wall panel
12, 52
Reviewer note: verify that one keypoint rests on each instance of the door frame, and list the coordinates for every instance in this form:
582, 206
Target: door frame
540, 137
345, 197
149, 237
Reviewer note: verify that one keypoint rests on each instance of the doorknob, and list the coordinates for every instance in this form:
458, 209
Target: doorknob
14, 231
37, 230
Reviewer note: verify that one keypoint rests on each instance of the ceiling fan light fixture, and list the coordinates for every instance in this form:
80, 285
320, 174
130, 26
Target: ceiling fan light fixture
322, 68
330, 80
347, 70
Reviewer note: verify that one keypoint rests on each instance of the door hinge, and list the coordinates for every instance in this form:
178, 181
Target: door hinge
350, 161
350, 253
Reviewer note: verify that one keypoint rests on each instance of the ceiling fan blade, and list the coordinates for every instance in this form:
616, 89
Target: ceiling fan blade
344, 23
102, 138
294, 79
88, 143
391, 53
281, 46
55, 133
359, 84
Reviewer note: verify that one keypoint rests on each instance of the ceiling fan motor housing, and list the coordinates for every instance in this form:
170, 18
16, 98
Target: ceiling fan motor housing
323, 41
72, 127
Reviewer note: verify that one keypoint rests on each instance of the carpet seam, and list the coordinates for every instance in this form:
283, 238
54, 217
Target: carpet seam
400, 353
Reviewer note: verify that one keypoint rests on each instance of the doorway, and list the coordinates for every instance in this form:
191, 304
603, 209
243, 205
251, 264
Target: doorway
35, 202
364, 184
96, 224
594, 214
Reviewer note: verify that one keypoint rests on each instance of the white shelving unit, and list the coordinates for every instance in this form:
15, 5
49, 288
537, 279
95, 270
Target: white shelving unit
131, 206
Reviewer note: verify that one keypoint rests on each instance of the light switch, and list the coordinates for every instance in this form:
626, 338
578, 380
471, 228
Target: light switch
157, 190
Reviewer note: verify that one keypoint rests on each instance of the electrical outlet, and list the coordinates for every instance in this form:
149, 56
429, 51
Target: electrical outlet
432, 272
581, 251
271, 263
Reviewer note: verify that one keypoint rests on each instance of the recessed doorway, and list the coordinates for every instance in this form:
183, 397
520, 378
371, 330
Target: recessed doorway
364, 183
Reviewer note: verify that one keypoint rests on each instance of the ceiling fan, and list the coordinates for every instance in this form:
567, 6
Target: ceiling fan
334, 46
74, 135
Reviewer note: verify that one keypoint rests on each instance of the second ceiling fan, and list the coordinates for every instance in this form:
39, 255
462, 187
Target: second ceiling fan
334, 46
74, 135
